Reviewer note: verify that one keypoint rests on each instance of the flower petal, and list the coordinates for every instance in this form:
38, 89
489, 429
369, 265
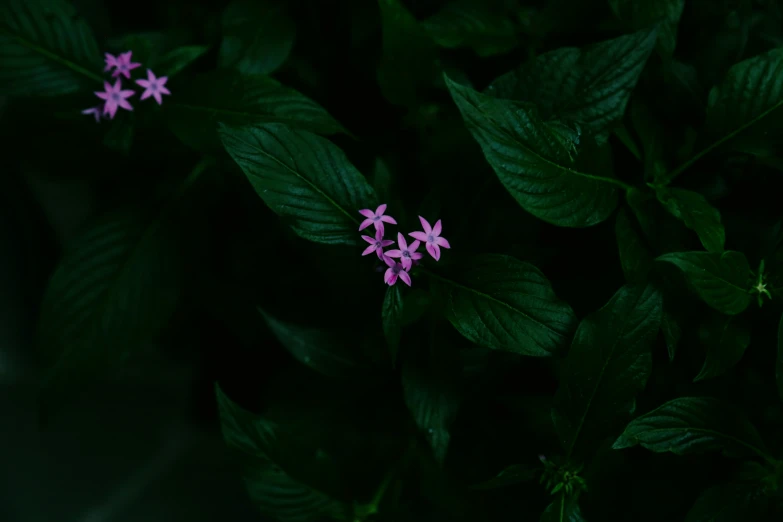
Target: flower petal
392, 279
127, 93
163, 90
102, 95
123, 103
144, 83
389, 261
369, 239
380, 253
162, 81
442, 241
421, 236
366, 212
146, 94
425, 225
380, 210
406, 278
394, 253
437, 228
379, 226
389, 219
413, 246
434, 251
406, 263
366, 223
417, 255
158, 97
386, 242
369, 250
401, 241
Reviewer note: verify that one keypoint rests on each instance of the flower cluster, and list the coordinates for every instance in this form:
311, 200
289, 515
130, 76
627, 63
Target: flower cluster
115, 97
406, 254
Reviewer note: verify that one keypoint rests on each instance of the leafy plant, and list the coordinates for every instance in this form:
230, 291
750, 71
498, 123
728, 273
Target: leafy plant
439, 260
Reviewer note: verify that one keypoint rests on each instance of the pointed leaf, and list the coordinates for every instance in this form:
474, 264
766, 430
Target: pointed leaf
502, 303
304, 178
749, 97
721, 280
258, 36
564, 509
234, 99
274, 492
635, 257
671, 332
392, 319
46, 49
480, 26
589, 86
534, 160
665, 13
693, 425
115, 288
178, 59
608, 364
322, 350
726, 341
693, 209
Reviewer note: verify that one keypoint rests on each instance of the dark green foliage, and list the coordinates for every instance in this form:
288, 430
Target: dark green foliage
601, 341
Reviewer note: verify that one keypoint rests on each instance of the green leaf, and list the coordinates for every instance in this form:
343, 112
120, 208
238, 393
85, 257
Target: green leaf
324, 351
721, 280
178, 59
534, 160
693, 209
431, 391
779, 365
407, 67
564, 509
115, 289
46, 49
751, 92
608, 364
671, 333
693, 425
392, 319
734, 502
476, 25
234, 99
258, 36
303, 178
665, 13
502, 303
515, 474
590, 86
274, 492
635, 257
726, 341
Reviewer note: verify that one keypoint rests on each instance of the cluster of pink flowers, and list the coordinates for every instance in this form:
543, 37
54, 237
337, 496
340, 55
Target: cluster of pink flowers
114, 96
407, 254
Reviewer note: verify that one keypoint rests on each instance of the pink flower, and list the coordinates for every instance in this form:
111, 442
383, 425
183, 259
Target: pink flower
431, 238
406, 253
394, 271
124, 65
377, 244
111, 61
376, 218
95, 111
154, 87
115, 97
